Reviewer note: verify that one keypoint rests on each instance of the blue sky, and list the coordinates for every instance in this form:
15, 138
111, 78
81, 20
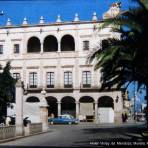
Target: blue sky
16, 10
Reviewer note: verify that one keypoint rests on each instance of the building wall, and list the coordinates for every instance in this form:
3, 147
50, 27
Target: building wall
57, 62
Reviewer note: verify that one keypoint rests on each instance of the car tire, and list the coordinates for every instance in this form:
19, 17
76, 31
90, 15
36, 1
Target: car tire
51, 122
69, 123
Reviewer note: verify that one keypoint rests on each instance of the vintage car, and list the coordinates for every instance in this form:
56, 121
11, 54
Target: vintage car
63, 119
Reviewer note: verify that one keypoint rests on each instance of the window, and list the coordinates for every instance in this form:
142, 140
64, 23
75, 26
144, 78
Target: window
50, 79
16, 48
1, 49
16, 76
33, 80
85, 45
67, 79
86, 77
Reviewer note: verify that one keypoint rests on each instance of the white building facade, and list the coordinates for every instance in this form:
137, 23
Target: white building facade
51, 58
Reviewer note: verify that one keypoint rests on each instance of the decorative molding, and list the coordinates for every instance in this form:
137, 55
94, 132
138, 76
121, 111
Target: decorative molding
16, 39
104, 35
49, 66
86, 65
85, 36
67, 66
33, 67
2, 40
14, 68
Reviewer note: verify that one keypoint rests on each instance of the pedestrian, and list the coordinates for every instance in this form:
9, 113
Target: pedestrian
125, 116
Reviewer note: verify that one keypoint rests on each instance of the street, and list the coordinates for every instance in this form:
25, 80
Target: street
82, 135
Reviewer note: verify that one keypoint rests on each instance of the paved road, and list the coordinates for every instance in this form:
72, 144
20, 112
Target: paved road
80, 135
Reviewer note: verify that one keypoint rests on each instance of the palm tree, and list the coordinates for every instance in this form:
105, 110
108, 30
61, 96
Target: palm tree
125, 60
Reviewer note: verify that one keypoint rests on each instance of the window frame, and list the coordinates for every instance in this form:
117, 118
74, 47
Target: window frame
16, 48
16, 75
68, 79
86, 45
1, 49
33, 79
51, 81
86, 79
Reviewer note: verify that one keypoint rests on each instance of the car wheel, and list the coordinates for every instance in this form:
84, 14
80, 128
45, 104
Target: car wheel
51, 122
69, 123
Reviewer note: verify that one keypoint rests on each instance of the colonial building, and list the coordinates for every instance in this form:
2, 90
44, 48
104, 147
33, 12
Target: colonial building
51, 60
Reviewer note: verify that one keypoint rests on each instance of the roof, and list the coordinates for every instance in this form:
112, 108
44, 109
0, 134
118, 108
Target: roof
16, 10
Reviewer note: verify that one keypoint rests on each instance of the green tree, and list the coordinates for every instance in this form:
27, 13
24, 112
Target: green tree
124, 60
7, 89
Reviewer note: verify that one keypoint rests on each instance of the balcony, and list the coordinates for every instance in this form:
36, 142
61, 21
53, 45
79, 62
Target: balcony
88, 88
68, 86
64, 88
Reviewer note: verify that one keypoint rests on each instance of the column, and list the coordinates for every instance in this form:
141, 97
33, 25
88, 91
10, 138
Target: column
41, 48
44, 117
19, 108
44, 111
96, 111
59, 46
77, 109
59, 108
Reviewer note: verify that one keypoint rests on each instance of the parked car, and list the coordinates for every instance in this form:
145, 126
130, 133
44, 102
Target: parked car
63, 119
141, 117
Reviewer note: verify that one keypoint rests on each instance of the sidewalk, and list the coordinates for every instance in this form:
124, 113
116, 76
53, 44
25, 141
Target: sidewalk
113, 125
19, 137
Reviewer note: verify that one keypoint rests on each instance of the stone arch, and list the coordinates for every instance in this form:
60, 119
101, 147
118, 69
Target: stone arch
86, 99
106, 101
68, 106
87, 108
67, 43
50, 44
33, 45
53, 107
33, 99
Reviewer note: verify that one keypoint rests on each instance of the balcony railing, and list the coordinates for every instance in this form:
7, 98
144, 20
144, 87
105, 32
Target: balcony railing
68, 86
86, 85
50, 86
62, 87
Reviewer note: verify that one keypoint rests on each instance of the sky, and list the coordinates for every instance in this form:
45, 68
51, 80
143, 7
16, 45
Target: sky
16, 10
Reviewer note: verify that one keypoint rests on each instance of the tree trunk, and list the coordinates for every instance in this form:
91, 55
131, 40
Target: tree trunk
146, 98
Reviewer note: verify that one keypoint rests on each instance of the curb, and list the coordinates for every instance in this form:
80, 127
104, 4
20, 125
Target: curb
20, 137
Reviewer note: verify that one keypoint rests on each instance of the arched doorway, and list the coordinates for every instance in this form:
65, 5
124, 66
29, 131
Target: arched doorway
31, 109
87, 108
67, 43
106, 109
32, 99
68, 106
53, 107
106, 101
50, 44
33, 45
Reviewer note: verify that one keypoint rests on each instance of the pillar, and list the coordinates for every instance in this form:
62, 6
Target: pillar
77, 109
44, 117
59, 46
96, 111
59, 108
19, 108
42, 50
